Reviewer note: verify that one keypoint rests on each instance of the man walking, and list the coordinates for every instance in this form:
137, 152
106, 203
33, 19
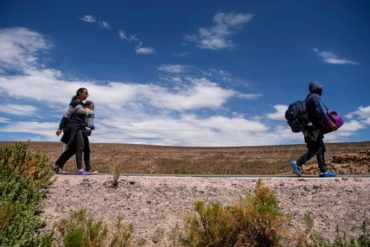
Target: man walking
314, 132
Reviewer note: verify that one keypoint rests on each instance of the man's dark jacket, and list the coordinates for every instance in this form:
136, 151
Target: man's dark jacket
315, 109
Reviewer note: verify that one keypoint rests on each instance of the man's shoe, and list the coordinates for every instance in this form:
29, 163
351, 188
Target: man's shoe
57, 170
327, 174
296, 168
83, 172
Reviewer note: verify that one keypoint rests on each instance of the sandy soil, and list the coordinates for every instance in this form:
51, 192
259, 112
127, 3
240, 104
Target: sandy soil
155, 204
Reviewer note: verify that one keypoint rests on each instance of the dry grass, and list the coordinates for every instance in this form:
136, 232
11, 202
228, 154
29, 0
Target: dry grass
116, 171
345, 158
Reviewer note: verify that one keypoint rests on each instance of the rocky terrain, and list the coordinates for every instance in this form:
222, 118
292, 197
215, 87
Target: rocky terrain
156, 204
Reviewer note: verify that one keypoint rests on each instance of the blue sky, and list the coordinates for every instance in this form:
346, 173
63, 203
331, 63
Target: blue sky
183, 73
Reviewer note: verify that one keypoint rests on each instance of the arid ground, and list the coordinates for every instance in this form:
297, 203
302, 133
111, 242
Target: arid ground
156, 204
344, 158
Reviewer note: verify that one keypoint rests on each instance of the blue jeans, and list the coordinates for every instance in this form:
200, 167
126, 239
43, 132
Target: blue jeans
315, 147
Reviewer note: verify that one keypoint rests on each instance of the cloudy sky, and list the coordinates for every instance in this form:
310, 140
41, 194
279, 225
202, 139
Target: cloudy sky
183, 73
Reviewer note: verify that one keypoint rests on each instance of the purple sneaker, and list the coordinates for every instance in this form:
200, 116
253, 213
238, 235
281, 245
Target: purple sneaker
83, 172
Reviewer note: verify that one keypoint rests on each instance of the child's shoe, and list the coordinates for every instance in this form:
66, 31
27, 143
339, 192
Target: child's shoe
58, 170
92, 172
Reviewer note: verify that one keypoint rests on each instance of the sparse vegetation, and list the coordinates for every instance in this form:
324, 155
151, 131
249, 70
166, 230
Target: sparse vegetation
341, 240
313, 239
122, 235
158, 236
82, 230
256, 221
225, 160
23, 175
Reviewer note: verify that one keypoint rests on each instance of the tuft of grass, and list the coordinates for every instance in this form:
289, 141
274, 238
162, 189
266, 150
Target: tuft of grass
176, 237
122, 234
314, 239
256, 221
116, 171
341, 240
158, 236
81, 230
46, 240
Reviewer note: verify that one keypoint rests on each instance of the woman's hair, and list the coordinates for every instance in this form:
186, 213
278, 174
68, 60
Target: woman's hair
88, 103
78, 92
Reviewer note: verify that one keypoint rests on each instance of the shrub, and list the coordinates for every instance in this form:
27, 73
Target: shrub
256, 221
316, 240
82, 230
22, 177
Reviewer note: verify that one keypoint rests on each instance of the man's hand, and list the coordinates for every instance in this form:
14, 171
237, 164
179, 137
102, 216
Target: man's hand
59, 131
333, 126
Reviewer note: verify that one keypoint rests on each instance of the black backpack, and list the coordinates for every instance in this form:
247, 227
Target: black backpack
297, 116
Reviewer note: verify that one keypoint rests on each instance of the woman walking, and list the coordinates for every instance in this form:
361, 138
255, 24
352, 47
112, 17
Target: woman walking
73, 125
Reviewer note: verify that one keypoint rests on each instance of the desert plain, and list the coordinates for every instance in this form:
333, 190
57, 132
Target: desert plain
155, 204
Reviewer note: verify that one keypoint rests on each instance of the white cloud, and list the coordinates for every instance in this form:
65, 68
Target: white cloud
104, 25
174, 68
137, 112
348, 129
88, 18
139, 49
362, 114
352, 126
222, 74
14, 109
4, 120
247, 96
186, 130
174, 79
218, 36
45, 129
123, 35
40, 84
144, 50
202, 93
331, 58
279, 113
20, 48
